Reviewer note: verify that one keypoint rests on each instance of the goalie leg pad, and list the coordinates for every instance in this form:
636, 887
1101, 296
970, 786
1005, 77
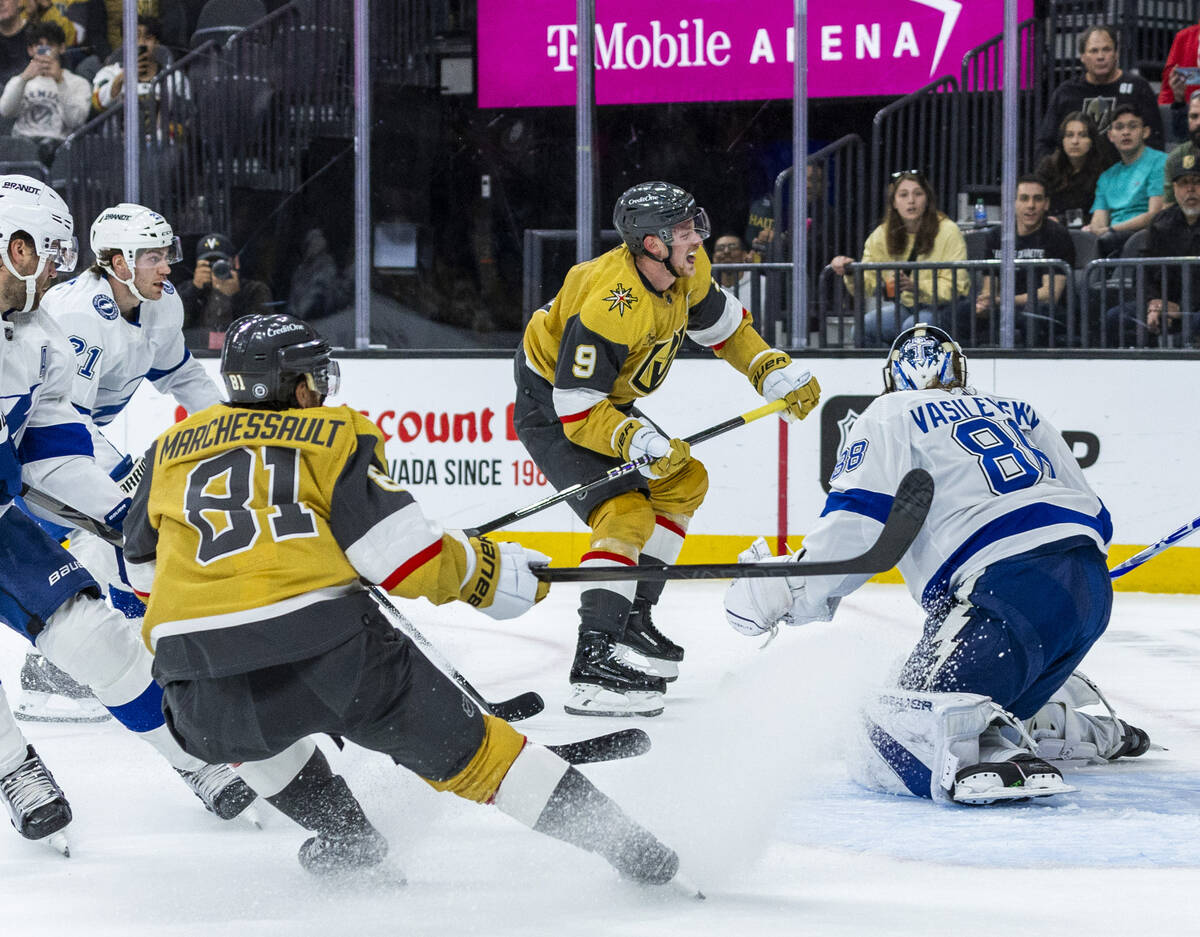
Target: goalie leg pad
1068, 736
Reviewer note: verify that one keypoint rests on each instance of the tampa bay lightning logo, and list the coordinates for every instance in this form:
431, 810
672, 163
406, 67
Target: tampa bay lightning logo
168, 287
105, 306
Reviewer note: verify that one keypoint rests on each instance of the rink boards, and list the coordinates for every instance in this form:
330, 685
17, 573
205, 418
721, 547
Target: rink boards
449, 438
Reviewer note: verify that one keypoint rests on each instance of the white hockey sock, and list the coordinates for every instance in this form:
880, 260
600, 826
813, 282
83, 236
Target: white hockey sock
12, 742
162, 741
271, 775
530, 781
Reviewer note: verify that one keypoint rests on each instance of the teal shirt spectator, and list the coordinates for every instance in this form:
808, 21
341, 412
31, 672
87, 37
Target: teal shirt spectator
1124, 190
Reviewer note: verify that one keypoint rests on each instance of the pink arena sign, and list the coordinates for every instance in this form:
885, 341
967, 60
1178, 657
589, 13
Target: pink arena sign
717, 50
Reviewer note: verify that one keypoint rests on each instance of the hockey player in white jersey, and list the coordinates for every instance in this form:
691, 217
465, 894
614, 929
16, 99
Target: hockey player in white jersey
123, 319
1010, 567
46, 595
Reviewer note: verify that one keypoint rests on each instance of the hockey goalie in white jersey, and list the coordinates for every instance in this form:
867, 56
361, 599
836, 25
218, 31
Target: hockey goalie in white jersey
1010, 567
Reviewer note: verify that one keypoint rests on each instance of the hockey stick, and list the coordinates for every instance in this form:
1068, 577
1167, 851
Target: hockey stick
67, 513
624, 743
621, 470
1154, 549
521, 706
909, 508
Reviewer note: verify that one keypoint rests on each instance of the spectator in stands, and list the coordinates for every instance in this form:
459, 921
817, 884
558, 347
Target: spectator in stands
729, 248
15, 16
217, 294
912, 230
1175, 232
1039, 237
760, 227
1127, 193
1181, 76
1190, 147
1103, 88
172, 14
1072, 170
317, 288
47, 100
153, 58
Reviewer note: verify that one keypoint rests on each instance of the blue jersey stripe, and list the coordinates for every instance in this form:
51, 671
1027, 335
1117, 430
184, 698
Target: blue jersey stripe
154, 373
50, 442
16, 413
1023, 520
859, 501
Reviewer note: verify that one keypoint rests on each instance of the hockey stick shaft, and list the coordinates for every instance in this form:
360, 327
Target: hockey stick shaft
67, 513
622, 470
1154, 549
909, 509
521, 706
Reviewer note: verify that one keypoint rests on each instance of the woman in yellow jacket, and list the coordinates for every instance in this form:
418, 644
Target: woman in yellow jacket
914, 230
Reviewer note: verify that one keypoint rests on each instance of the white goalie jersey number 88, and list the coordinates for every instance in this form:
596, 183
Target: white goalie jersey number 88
1006, 482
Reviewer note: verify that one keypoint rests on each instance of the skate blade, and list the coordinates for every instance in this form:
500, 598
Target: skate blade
685, 886
591, 700
59, 843
51, 707
667, 669
251, 816
993, 795
384, 875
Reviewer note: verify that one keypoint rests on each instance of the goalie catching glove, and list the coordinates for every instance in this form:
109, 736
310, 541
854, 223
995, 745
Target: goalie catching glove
635, 440
776, 376
502, 584
756, 606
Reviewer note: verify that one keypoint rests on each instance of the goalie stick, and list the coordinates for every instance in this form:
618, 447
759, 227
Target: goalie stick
1154, 549
910, 505
624, 469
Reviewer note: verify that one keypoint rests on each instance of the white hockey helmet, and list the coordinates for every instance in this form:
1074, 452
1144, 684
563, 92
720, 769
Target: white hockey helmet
925, 357
130, 229
30, 206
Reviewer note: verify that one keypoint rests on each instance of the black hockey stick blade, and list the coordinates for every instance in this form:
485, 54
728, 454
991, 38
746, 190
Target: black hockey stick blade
521, 706
909, 509
623, 469
624, 743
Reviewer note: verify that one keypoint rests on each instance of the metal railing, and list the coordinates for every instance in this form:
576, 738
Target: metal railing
843, 314
1116, 292
982, 106
176, 157
919, 131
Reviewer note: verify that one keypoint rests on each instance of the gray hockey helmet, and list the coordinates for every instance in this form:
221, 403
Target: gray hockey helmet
264, 356
655, 208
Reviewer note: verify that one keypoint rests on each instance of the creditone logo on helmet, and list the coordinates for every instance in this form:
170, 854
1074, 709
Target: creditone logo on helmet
105, 306
274, 330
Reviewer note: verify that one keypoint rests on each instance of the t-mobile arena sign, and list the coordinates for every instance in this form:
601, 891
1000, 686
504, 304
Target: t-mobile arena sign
724, 50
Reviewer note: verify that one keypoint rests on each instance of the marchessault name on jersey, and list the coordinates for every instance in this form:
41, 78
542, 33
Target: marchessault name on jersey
255, 426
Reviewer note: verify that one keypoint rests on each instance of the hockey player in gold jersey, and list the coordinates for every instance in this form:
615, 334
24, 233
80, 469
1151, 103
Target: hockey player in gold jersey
250, 532
605, 340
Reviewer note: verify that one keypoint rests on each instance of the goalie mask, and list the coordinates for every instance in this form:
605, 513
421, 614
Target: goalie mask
264, 357
32, 207
925, 358
656, 208
131, 230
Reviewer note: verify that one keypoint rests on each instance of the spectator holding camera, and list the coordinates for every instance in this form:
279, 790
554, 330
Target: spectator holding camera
47, 100
153, 58
15, 17
217, 294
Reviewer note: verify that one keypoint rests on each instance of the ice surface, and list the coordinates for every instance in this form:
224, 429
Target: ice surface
747, 780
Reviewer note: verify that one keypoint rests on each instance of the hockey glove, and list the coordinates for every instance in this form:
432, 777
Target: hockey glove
635, 440
775, 375
505, 572
756, 606
128, 472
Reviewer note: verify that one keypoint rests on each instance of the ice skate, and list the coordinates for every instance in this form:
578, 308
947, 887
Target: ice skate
36, 804
1019, 778
49, 694
220, 790
646, 648
351, 856
604, 685
1067, 735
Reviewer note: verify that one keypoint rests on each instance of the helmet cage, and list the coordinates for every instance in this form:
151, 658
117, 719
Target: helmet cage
924, 357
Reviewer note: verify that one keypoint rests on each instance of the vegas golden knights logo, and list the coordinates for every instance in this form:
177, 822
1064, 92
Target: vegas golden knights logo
653, 370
